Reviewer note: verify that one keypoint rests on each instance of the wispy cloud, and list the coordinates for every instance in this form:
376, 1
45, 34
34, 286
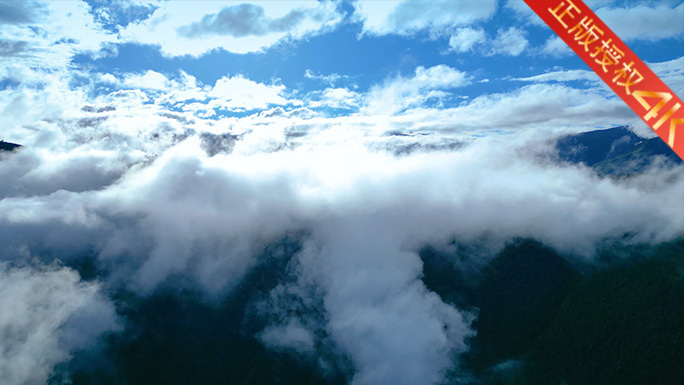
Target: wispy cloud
186, 29
405, 17
46, 312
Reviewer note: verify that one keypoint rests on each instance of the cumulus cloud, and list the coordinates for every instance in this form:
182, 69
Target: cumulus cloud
524, 10
368, 212
644, 21
555, 46
46, 41
149, 80
671, 72
464, 39
427, 83
242, 20
336, 98
187, 29
185, 92
163, 88
46, 312
114, 15
650, 21
510, 42
408, 17
238, 92
178, 28
372, 293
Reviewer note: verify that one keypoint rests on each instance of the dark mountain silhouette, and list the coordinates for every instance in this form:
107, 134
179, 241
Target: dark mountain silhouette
7, 146
543, 320
520, 291
615, 152
619, 325
178, 336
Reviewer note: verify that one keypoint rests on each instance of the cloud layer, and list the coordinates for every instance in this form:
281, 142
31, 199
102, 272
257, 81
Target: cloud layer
45, 312
159, 179
166, 198
406, 17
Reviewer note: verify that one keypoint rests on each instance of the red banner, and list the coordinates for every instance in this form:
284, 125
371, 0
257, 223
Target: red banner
618, 66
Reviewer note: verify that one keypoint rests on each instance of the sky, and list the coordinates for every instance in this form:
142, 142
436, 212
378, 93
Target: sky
178, 138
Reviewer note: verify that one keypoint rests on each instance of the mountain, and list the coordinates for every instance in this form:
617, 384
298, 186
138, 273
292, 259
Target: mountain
616, 152
177, 336
7, 146
544, 320
619, 325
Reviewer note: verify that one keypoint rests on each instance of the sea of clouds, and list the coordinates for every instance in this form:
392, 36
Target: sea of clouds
154, 176
152, 193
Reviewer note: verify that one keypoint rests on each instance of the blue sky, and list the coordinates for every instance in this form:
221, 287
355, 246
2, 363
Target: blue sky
326, 56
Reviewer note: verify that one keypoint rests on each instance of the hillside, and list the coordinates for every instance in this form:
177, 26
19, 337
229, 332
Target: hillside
616, 152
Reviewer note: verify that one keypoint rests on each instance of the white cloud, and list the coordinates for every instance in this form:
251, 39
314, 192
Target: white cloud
108, 78
61, 29
510, 42
238, 92
647, 21
195, 28
243, 20
555, 46
44, 313
337, 98
409, 17
57, 30
562, 76
464, 39
228, 92
140, 192
524, 10
331, 79
290, 335
71, 20
438, 77
533, 106
644, 22
151, 80
671, 73
400, 92
162, 89
373, 294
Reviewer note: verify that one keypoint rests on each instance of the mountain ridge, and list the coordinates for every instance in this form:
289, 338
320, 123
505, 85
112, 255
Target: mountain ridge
615, 152
8, 146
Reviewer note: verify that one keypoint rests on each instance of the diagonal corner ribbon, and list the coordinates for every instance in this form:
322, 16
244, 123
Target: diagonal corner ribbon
618, 66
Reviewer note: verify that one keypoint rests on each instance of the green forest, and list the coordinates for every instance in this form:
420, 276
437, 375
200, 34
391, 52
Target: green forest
546, 321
